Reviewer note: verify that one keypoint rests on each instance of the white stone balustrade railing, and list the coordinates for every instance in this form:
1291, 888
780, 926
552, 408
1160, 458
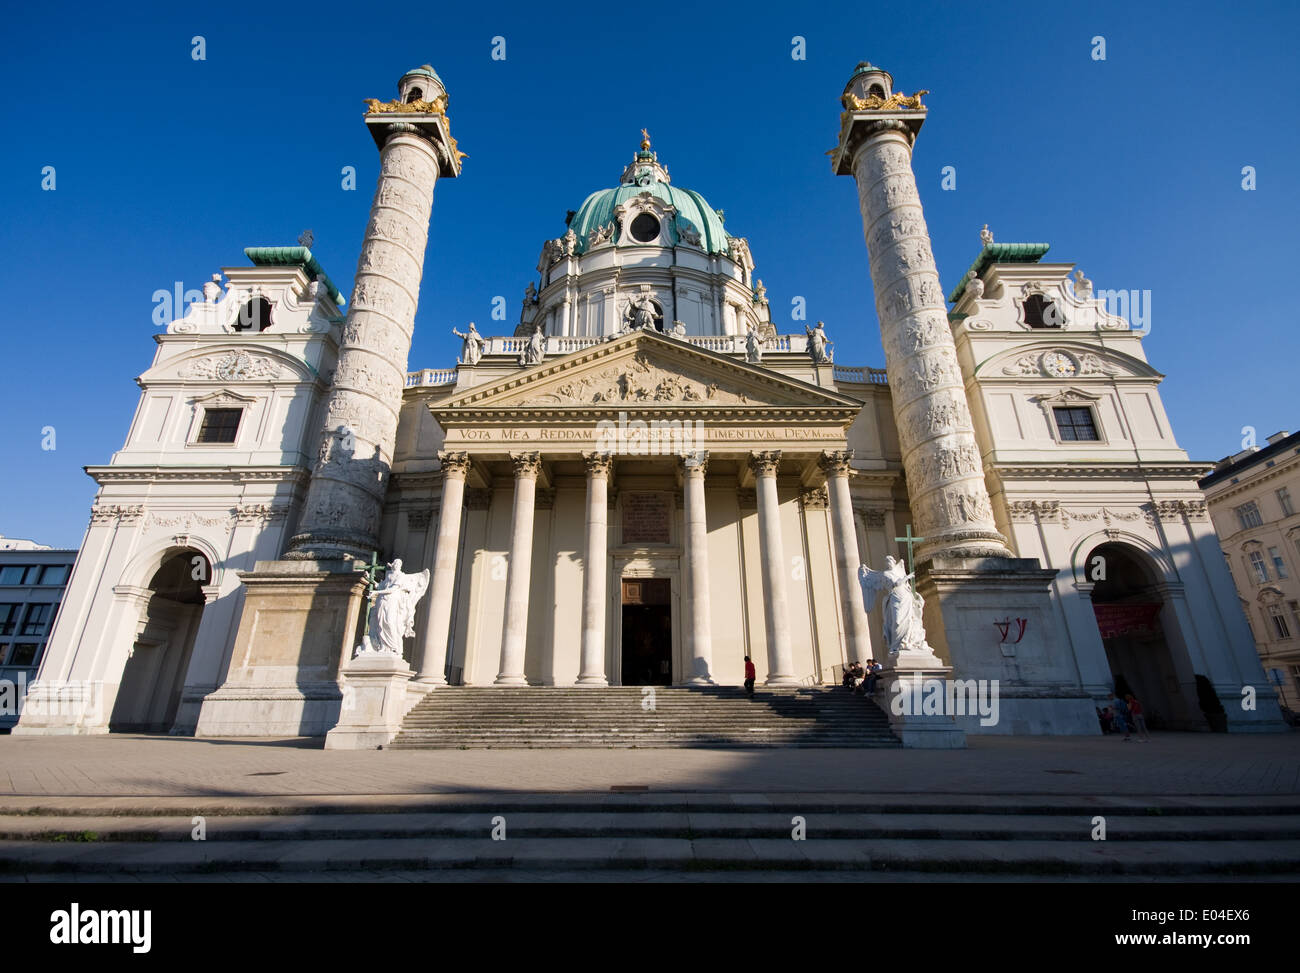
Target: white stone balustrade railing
864, 376
431, 376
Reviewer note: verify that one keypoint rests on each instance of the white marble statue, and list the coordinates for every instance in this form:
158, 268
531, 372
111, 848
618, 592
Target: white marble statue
640, 314
679, 330
974, 286
392, 616
904, 631
212, 289
471, 348
986, 235
1082, 286
532, 353
753, 346
817, 343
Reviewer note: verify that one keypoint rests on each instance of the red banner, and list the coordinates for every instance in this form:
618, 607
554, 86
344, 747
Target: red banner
1118, 619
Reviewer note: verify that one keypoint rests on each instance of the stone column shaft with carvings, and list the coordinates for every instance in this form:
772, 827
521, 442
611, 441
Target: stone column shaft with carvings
945, 476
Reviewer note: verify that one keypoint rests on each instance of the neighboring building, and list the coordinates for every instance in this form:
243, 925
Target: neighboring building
1254, 498
645, 481
32, 581
18, 544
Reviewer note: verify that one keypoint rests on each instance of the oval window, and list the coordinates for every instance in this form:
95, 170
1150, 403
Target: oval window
645, 228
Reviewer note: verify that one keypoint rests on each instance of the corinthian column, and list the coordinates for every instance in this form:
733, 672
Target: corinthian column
780, 657
519, 573
592, 672
945, 478
341, 512
433, 655
836, 467
697, 569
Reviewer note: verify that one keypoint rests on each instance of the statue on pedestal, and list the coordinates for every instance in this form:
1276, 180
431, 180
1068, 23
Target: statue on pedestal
753, 346
392, 616
471, 349
532, 353
904, 631
817, 343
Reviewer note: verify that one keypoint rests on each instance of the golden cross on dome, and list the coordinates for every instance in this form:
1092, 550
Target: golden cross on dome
645, 139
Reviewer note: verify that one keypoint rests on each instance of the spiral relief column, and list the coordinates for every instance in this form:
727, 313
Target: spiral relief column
341, 513
945, 476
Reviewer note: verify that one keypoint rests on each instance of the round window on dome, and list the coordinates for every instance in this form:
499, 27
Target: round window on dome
645, 228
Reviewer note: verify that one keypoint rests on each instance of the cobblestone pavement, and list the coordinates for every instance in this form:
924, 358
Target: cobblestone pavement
1171, 764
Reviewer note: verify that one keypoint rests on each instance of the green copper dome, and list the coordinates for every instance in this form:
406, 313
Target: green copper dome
645, 175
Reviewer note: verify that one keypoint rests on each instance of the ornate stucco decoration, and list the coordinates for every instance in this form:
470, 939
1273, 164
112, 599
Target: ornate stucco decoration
235, 366
1108, 516
638, 380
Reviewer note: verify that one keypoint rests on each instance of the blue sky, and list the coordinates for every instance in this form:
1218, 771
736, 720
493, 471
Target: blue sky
168, 167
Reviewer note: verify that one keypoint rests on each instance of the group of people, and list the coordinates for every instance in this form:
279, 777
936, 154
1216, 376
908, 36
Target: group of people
1124, 715
861, 678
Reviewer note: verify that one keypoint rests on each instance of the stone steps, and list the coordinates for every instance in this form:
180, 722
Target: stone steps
537, 717
602, 836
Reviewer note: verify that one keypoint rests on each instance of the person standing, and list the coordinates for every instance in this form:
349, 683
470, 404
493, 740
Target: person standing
1120, 709
750, 676
1139, 720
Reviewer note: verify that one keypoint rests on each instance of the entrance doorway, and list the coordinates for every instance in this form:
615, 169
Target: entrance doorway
647, 632
1128, 606
154, 676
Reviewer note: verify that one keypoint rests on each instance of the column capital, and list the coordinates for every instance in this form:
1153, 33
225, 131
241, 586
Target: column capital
695, 464
835, 462
454, 463
765, 463
527, 465
599, 464
814, 498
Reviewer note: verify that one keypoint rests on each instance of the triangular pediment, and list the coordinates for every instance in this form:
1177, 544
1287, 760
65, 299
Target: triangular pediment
644, 370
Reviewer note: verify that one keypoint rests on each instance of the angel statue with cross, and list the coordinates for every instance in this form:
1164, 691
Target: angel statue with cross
392, 616
903, 629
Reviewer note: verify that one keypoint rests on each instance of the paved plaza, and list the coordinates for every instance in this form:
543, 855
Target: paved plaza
155, 766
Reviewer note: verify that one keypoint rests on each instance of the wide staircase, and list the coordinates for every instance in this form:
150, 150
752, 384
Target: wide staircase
505, 836
635, 716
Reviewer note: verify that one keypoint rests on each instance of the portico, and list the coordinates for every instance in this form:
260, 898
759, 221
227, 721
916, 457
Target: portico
723, 487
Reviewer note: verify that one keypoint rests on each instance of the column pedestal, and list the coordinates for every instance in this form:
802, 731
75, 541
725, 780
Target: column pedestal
299, 624
968, 603
374, 702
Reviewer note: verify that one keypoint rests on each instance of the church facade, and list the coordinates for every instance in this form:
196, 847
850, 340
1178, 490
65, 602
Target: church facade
646, 481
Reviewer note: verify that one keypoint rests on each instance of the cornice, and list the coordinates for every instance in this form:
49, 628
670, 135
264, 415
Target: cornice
198, 474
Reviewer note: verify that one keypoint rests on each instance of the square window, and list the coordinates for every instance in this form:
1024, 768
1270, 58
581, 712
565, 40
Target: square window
1279, 566
219, 425
25, 653
12, 574
37, 620
55, 574
1280, 627
1075, 424
1258, 567
1248, 515
8, 618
